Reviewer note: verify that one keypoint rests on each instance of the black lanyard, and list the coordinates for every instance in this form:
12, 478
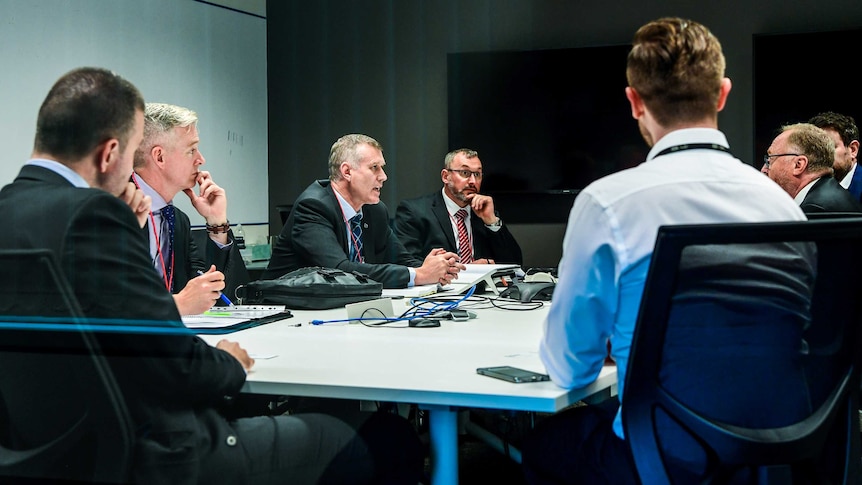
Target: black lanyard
692, 146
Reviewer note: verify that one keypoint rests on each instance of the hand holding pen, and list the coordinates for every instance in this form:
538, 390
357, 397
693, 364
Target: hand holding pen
200, 293
221, 295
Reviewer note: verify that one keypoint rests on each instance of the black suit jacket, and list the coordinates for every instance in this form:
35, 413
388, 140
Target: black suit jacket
423, 224
827, 195
189, 258
315, 234
172, 382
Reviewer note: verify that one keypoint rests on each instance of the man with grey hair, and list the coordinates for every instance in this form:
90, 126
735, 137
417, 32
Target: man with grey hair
800, 161
457, 218
168, 161
341, 223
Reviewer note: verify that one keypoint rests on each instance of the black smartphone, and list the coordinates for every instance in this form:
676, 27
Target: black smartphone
512, 374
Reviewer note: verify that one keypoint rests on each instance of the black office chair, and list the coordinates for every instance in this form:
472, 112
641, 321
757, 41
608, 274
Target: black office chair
738, 423
62, 416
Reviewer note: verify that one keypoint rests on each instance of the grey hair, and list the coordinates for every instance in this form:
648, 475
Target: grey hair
344, 150
159, 120
447, 162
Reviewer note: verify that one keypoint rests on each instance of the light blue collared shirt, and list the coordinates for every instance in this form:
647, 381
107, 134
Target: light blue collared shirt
62, 170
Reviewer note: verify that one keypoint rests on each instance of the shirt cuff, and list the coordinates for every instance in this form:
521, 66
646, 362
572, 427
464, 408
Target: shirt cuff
495, 226
411, 283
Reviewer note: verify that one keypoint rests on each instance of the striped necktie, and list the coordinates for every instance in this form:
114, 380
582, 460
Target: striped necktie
464, 249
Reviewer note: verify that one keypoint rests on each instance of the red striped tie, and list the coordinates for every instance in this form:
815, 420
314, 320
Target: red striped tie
464, 249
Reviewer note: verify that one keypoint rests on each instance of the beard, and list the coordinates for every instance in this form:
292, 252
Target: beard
460, 195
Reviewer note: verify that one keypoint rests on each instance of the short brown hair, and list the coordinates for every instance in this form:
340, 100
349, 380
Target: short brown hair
85, 107
676, 66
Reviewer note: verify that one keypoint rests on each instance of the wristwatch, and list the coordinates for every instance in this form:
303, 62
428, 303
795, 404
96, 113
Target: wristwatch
497, 223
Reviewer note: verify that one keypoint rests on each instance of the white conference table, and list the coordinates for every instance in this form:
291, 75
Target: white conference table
432, 367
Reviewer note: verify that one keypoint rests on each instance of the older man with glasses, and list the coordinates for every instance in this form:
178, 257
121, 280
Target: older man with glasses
800, 161
458, 218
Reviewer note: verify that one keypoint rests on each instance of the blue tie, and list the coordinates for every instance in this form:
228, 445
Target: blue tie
356, 243
856, 183
167, 243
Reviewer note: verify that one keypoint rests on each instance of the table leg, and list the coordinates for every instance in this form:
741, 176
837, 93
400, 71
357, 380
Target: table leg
443, 428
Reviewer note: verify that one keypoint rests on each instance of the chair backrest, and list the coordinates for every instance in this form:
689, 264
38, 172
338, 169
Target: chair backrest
62, 416
744, 365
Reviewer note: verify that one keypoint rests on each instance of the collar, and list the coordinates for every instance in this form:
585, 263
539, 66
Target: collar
688, 135
452, 207
804, 191
848, 179
346, 208
158, 202
62, 170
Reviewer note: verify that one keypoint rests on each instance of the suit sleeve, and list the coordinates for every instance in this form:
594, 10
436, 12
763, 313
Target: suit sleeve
229, 261
107, 263
315, 240
409, 230
502, 246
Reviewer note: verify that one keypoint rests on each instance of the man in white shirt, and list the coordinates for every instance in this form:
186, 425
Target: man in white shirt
843, 131
677, 86
800, 161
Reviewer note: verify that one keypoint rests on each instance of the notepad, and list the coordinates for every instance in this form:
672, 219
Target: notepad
221, 320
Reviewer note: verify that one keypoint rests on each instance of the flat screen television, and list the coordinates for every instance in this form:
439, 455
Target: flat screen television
797, 75
546, 123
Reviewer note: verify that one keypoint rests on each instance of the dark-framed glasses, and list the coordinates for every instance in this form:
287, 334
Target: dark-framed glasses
767, 159
466, 173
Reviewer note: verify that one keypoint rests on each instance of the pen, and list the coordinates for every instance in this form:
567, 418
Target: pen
220, 294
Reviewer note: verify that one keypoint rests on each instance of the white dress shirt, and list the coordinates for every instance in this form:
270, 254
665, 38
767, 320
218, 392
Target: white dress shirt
610, 237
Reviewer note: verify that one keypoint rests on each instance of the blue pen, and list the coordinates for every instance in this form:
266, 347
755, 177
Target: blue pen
220, 294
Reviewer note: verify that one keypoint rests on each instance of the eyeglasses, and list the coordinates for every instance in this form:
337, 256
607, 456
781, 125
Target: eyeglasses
466, 173
767, 157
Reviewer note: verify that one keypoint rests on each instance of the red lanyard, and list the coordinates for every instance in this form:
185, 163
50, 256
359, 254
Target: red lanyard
169, 280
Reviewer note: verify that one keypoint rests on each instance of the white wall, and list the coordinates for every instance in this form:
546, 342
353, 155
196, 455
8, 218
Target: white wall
207, 58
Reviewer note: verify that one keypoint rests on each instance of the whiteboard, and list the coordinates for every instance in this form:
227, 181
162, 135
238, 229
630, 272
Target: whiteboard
206, 58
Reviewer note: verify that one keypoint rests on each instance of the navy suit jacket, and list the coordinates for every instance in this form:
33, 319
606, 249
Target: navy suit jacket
423, 224
827, 195
315, 234
172, 383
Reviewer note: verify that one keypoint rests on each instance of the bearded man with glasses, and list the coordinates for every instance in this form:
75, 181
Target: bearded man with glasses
458, 218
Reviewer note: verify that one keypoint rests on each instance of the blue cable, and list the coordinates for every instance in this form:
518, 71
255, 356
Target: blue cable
418, 310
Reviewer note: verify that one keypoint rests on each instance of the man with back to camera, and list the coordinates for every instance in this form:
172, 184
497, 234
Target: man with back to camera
341, 223
800, 161
457, 216
173, 382
843, 131
689, 177
167, 162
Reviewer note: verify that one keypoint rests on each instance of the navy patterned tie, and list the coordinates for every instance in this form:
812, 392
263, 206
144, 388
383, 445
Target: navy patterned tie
167, 243
356, 243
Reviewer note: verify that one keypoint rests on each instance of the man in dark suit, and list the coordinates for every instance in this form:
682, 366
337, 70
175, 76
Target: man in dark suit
800, 160
434, 221
844, 132
341, 223
65, 199
167, 162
